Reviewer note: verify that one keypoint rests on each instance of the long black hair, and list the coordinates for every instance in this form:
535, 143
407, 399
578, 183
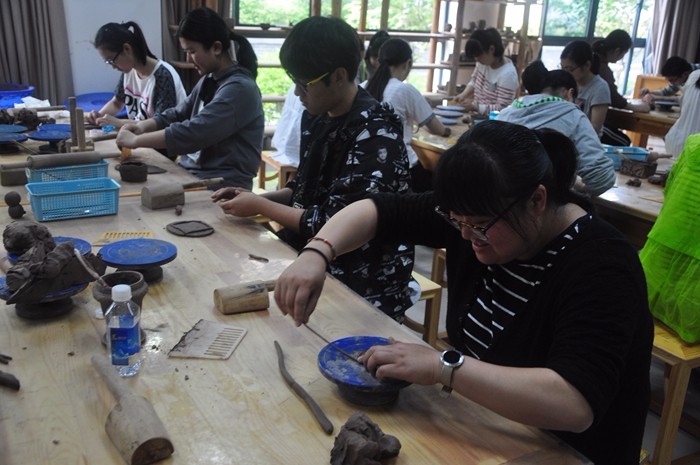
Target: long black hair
580, 52
205, 26
113, 36
616, 39
480, 41
394, 52
496, 163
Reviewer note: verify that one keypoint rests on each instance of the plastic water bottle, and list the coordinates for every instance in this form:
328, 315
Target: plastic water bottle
123, 331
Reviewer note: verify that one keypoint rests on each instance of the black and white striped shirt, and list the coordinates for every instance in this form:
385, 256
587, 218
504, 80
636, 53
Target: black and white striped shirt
506, 289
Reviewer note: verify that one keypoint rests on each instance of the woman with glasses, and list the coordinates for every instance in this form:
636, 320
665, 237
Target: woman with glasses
593, 92
218, 129
387, 85
350, 146
494, 82
612, 49
148, 86
547, 307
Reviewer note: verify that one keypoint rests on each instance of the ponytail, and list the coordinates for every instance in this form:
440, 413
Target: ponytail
245, 55
393, 52
377, 83
563, 158
113, 36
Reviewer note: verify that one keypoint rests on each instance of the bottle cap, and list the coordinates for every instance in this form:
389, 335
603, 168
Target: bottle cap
121, 293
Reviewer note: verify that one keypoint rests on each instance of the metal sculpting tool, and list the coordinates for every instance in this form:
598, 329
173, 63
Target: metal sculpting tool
348, 355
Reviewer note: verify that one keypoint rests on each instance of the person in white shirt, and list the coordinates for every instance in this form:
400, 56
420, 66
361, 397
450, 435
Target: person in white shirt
147, 87
689, 121
386, 85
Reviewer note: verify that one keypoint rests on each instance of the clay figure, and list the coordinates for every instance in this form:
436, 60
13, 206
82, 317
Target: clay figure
362, 442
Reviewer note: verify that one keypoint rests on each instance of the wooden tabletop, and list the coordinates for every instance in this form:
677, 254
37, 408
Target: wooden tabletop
226, 411
654, 123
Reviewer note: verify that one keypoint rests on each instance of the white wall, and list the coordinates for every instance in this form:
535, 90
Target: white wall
85, 17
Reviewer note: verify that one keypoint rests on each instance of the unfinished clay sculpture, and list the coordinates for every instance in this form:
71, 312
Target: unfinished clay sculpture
362, 442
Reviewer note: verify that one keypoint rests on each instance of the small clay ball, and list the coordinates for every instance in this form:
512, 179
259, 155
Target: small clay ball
16, 211
12, 198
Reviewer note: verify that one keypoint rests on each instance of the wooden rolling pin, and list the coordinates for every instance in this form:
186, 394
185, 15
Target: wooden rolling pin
133, 424
244, 297
59, 159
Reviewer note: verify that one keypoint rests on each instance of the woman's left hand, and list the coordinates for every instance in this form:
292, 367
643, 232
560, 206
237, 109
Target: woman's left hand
410, 362
126, 138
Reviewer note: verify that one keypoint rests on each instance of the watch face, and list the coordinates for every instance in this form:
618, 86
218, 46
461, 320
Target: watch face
451, 356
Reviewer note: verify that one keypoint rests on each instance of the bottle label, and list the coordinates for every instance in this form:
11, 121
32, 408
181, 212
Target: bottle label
124, 342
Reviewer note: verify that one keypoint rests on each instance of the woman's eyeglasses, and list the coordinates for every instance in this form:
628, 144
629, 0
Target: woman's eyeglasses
569, 69
113, 60
305, 86
478, 231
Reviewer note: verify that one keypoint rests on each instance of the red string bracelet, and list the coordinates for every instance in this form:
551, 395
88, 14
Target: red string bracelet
325, 241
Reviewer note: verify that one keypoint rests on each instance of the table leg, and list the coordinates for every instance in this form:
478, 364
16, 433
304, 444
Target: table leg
674, 398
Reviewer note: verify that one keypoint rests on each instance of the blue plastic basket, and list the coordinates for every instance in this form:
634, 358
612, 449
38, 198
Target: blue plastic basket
81, 198
68, 173
633, 153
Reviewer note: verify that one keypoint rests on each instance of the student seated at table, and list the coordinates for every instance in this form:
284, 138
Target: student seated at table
494, 83
352, 147
671, 254
611, 50
676, 70
386, 85
218, 130
593, 92
546, 301
552, 108
147, 86
689, 121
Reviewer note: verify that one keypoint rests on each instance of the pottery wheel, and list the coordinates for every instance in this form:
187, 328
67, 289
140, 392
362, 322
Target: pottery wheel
193, 228
143, 255
53, 305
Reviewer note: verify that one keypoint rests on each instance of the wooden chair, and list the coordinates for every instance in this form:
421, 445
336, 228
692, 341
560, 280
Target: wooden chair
431, 292
283, 173
437, 273
680, 358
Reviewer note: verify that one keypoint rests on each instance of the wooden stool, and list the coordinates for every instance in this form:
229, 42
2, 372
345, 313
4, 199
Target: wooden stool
431, 292
283, 173
680, 359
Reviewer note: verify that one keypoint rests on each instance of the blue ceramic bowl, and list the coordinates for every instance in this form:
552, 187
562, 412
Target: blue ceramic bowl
355, 383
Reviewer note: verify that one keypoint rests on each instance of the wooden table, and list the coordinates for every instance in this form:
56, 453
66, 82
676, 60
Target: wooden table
655, 123
237, 410
429, 147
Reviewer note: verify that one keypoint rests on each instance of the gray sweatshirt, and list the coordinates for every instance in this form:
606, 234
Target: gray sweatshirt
222, 138
545, 111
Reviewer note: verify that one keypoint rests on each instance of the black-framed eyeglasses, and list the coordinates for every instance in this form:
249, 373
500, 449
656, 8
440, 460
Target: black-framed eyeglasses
478, 231
113, 60
569, 69
304, 86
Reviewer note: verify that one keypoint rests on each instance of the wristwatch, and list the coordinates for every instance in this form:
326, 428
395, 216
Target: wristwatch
451, 360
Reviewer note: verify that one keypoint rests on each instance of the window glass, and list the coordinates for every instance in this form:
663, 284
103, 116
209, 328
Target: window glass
567, 18
276, 12
615, 14
410, 15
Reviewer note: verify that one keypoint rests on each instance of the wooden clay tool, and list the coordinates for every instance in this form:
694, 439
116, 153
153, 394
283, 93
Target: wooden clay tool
133, 425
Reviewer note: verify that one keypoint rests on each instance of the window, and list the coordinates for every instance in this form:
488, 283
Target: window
567, 20
275, 12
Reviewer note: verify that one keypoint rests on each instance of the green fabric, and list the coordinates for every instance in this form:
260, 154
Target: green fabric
671, 255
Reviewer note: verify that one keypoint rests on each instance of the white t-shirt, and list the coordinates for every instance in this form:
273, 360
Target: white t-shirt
689, 121
151, 95
287, 137
412, 107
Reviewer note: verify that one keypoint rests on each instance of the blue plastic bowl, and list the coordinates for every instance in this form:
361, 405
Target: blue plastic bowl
11, 93
95, 101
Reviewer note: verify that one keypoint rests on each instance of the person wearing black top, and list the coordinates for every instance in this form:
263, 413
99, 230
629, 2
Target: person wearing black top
547, 306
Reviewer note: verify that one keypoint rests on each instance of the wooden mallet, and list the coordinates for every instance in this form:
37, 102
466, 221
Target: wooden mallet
133, 425
171, 195
244, 297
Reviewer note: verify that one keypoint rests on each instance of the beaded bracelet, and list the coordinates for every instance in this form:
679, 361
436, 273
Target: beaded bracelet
325, 241
311, 249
